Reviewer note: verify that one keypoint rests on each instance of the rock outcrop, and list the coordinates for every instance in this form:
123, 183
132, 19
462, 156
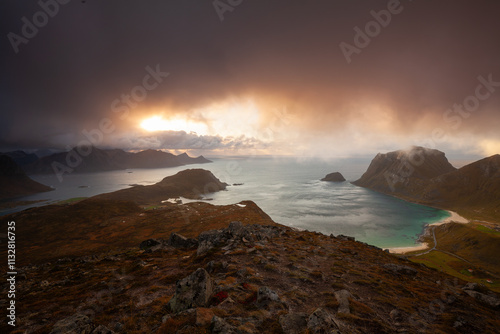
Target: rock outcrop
79, 323
192, 291
334, 177
321, 321
343, 300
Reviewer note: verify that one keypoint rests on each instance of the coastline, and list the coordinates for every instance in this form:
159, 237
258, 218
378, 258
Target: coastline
454, 217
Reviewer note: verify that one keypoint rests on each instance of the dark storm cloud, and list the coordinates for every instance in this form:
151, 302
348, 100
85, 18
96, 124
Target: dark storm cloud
426, 59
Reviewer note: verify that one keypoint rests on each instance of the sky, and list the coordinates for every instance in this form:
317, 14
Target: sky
232, 77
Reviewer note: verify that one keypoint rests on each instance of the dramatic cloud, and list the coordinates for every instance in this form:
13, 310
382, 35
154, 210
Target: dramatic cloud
353, 76
182, 141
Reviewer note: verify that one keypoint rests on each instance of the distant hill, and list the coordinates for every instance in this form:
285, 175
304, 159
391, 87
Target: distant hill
474, 188
21, 157
425, 176
106, 160
14, 182
190, 183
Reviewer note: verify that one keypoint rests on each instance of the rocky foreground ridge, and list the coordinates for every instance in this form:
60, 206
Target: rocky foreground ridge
249, 279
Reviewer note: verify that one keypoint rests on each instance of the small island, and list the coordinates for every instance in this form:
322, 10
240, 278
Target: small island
334, 177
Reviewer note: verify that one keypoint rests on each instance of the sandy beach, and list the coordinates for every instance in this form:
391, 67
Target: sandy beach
454, 217
402, 250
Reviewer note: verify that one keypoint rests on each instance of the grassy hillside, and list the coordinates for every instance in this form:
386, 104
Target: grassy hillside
96, 225
465, 246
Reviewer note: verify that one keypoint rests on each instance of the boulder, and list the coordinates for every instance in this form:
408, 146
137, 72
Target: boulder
471, 286
204, 316
266, 295
192, 291
342, 297
220, 326
215, 237
334, 177
400, 269
147, 244
396, 315
269, 300
102, 330
484, 299
76, 324
320, 321
235, 228
204, 247
179, 241
293, 323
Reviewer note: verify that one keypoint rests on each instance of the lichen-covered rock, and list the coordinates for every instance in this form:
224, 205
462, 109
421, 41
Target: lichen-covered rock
484, 299
220, 326
320, 322
342, 297
270, 300
204, 247
266, 295
192, 291
235, 228
150, 243
293, 323
400, 269
179, 241
76, 324
102, 330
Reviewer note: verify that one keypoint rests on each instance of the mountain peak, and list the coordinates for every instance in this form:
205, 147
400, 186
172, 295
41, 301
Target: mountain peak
389, 170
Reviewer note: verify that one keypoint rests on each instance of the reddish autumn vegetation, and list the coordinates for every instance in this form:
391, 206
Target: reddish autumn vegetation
199, 268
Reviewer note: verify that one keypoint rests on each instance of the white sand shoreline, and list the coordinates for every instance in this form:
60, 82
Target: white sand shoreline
454, 217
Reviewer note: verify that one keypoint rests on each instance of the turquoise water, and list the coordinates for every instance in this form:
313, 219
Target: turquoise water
288, 190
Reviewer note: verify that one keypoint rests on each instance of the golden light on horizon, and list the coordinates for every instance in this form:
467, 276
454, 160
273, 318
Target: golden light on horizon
230, 118
157, 123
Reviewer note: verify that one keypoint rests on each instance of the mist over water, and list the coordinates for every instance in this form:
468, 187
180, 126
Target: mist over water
287, 189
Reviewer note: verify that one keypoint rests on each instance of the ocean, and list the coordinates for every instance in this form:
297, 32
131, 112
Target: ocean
287, 189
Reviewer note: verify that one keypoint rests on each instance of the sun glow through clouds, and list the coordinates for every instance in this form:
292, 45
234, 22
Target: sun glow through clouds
231, 118
157, 123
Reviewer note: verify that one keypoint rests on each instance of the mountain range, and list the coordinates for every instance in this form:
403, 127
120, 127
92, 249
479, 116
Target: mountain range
99, 160
16, 164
